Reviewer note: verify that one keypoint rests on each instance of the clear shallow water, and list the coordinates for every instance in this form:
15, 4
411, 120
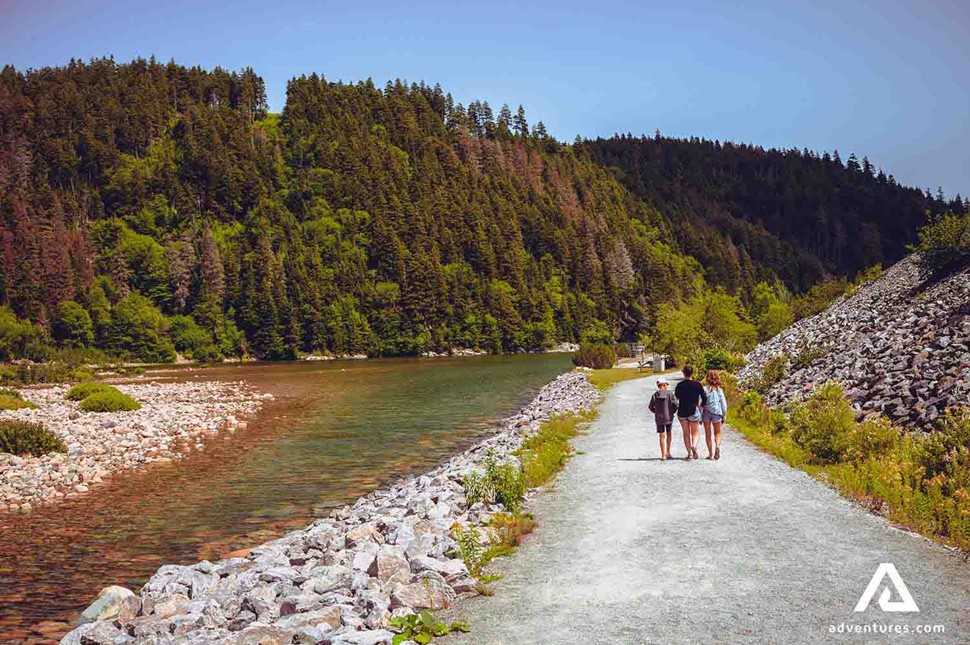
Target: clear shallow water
334, 432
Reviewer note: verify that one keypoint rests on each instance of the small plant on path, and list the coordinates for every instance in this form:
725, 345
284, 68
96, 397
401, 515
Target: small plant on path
422, 627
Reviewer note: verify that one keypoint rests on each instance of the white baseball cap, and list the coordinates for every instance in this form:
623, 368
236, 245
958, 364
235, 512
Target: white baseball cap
661, 381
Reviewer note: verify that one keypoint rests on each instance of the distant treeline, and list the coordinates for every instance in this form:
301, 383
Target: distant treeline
747, 212
149, 208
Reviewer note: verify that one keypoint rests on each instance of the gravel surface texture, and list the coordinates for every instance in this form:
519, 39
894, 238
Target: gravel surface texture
631, 549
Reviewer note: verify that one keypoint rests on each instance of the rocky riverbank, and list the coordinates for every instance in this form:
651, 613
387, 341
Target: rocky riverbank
339, 580
899, 347
174, 417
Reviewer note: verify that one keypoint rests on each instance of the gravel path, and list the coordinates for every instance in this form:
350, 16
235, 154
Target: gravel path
631, 549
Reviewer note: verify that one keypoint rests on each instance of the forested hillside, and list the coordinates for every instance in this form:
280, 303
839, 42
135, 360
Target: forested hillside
149, 208
748, 213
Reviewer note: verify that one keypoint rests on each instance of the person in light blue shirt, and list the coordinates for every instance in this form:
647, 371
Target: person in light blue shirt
715, 411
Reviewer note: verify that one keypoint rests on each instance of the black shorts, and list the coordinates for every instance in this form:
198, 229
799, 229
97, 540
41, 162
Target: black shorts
664, 427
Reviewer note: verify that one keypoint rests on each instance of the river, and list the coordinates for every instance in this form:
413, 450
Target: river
334, 432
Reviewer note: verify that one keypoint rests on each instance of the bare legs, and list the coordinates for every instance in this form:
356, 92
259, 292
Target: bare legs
664, 444
717, 439
692, 433
707, 439
685, 425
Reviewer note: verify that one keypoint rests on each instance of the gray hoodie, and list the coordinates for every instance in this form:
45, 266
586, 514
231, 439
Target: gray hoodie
663, 404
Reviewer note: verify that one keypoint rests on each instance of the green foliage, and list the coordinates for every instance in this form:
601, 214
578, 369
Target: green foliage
770, 309
823, 425
15, 335
471, 548
920, 480
83, 390
397, 223
944, 245
502, 483
511, 528
72, 325
24, 373
712, 319
400, 223
112, 401
6, 391
139, 329
773, 371
546, 452
422, 627
746, 212
720, 359
819, 297
11, 402
26, 438
805, 357
596, 356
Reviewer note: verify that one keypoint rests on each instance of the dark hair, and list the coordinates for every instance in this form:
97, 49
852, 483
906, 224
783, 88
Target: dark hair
688, 371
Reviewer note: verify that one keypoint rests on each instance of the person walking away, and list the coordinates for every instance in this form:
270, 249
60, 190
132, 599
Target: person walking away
663, 404
691, 398
714, 413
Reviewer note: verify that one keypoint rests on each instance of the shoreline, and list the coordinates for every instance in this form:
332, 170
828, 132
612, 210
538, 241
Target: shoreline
340, 579
174, 419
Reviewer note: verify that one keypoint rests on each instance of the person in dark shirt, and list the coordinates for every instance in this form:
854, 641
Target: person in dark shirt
691, 398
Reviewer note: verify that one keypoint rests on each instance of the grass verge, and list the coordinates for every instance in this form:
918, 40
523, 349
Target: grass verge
605, 379
917, 480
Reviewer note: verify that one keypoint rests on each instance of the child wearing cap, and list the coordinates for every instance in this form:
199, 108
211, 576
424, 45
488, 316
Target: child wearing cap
663, 404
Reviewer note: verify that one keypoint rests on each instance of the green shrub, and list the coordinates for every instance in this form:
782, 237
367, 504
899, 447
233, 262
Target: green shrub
824, 425
872, 439
595, 355
72, 325
773, 371
6, 391
502, 483
805, 358
8, 402
721, 360
109, 402
26, 438
944, 245
84, 390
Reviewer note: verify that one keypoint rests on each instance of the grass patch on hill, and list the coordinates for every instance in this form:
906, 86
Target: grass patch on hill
917, 480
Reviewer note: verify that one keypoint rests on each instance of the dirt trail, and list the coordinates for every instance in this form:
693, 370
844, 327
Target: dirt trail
631, 549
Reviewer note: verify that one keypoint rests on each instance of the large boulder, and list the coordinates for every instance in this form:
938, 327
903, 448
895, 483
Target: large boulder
112, 602
390, 565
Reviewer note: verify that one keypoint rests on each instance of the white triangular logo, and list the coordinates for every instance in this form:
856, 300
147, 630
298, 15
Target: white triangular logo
906, 602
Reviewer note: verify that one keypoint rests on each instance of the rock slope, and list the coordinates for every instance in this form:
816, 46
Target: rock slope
339, 580
173, 417
899, 347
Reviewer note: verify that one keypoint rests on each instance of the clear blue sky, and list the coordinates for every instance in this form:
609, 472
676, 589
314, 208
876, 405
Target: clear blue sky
887, 79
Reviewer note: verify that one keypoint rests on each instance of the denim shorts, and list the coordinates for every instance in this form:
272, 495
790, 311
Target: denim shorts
694, 417
710, 416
